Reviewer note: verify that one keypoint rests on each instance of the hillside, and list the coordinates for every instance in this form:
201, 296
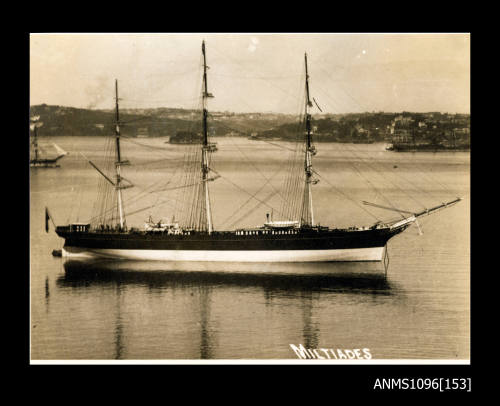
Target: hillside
434, 128
159, 122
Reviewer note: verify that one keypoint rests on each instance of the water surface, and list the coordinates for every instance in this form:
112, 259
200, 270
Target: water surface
144, 310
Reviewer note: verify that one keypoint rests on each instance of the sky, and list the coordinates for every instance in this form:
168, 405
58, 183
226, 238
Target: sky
254, 72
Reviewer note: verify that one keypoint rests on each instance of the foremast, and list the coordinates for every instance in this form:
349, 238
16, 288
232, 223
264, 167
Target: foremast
206, 147
307, 213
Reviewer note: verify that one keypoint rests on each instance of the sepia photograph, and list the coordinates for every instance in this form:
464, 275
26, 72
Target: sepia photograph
249, 198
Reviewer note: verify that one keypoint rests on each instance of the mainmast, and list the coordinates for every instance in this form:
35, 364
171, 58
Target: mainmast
205, 147
307, 215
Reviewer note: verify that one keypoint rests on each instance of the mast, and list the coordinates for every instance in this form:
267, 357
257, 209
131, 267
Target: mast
205, 146
118, 162
34, 126
35, 142
307, 217
118, 184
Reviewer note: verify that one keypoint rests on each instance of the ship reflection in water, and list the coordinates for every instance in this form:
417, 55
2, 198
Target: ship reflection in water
273, 278
214, 304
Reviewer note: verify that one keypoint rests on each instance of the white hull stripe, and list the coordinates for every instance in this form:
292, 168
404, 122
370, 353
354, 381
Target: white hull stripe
354, 254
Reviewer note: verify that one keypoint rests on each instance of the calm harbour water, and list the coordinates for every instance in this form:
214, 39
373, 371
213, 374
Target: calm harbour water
166, 311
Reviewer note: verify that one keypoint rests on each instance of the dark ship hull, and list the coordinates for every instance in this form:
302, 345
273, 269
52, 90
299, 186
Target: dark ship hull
405, 147
258, 245
44, 163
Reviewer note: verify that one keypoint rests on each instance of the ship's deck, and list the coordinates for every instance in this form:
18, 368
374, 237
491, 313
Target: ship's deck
243, 232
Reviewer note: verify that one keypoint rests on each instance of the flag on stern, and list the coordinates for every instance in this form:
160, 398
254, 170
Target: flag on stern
47, 217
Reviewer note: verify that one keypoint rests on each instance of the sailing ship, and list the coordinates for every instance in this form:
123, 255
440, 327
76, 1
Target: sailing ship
287, 240
39, 157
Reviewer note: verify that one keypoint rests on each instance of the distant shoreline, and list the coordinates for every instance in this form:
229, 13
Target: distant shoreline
427, 148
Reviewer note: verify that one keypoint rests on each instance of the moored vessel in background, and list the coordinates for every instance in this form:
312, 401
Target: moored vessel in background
39, 158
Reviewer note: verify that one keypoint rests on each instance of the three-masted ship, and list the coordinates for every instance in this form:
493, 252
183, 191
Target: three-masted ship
39, 158
286, 240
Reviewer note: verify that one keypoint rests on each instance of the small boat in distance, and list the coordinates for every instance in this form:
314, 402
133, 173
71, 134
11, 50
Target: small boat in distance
296, 237
39, 157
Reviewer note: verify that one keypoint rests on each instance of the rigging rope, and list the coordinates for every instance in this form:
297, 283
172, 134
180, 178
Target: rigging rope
415, 187
245, 68
252, 210
432, 179
250, 198
255, 167
243, 190
347, 196
397, 186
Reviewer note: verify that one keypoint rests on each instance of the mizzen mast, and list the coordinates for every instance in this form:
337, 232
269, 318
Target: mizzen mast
206, 148
307, 214
118, 164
